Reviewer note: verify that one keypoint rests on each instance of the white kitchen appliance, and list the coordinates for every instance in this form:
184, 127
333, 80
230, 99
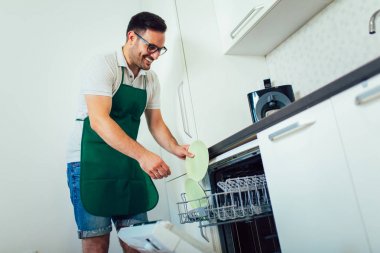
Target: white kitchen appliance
162, 237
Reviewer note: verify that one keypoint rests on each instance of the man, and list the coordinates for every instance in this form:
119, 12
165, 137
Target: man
109, 173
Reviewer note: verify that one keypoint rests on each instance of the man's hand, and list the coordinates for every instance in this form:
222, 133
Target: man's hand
153, 165
163, 136
182, 151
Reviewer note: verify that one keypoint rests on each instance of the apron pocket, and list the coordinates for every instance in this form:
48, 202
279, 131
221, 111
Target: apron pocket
111, 197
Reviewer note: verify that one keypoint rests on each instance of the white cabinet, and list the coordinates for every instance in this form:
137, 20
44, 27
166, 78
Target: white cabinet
176, 104
310, 186
182, 125
187, 127
218, 83
235, 17
255, 27
357, 112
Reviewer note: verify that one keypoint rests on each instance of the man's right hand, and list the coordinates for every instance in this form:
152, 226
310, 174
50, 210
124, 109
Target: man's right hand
153, 165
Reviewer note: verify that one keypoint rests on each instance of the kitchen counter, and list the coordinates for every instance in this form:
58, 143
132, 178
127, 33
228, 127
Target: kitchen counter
345, 82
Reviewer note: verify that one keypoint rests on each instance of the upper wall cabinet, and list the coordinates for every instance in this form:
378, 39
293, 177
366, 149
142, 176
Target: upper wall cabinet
256, 27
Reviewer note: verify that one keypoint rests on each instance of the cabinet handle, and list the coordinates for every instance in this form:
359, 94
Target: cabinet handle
243, 22
367, 96
289, 129
185, 121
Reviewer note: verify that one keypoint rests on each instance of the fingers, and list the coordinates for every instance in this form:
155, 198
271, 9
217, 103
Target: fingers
154, 166
188, 154
164, 170
184, 152
160, 171
152, 175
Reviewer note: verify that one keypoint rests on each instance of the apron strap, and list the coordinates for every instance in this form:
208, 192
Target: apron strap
122, 75
122, 78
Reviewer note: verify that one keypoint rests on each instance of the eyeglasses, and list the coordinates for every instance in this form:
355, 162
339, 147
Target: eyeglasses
151, 47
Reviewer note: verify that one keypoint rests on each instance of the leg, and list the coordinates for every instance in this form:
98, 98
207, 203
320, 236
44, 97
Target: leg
94, 230
126, 248
98, 244
126, 221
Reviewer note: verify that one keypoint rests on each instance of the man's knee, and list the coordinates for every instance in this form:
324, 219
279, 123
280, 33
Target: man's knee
98, 244
126, 248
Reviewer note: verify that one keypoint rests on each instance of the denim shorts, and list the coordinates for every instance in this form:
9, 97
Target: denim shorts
90, 225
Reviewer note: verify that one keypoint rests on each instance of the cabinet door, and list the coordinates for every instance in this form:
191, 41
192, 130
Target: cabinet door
186, 121
256, 27
310, 186
357, 112
218, 83
236, 18
182, 127
176, 105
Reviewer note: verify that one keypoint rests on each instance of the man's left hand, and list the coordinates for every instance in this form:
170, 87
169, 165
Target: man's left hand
182, 151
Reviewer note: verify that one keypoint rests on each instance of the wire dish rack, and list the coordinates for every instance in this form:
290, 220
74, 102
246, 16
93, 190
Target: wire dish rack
240, 199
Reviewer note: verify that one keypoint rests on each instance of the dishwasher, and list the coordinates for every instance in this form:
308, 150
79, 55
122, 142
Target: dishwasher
237, 203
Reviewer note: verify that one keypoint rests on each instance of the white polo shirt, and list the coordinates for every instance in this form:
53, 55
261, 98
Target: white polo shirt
102, 76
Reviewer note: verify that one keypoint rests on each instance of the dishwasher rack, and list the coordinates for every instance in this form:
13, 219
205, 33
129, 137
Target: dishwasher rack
241, 199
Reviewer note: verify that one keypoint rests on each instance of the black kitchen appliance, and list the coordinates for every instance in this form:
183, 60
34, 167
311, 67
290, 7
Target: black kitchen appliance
237, 202
252, 234
268, 100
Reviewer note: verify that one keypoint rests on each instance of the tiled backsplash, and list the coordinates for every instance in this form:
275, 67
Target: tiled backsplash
333, 43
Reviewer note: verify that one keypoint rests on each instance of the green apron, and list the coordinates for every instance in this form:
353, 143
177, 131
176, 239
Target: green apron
112, 183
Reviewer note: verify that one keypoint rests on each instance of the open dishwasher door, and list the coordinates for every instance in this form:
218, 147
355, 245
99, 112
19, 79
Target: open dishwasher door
162, 237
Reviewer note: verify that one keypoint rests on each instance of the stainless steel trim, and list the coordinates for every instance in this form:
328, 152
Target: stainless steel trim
367, 96
372, 22
289, 129
176, 177
185, 121
235, 158
243, 22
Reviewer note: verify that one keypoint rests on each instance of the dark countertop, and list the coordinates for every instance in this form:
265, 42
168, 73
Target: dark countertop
345, 82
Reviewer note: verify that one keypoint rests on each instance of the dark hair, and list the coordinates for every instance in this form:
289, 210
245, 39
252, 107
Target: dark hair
146, 20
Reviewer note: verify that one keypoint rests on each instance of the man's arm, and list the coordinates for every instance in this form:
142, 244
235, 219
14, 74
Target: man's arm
163, 136
99, 108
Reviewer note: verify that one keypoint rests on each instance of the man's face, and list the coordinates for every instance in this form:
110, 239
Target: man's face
142, 55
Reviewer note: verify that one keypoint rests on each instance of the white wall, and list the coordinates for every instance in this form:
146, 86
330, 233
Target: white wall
44, 45
333, 43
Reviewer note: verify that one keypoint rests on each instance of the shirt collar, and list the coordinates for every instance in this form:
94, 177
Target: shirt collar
123, 63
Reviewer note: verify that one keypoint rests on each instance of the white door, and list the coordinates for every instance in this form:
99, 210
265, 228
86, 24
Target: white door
310, 186
236, 18
357, 112
183, 127
176, 105
218, 83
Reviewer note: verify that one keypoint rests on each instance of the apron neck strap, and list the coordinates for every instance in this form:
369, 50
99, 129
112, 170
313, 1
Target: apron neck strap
122, 77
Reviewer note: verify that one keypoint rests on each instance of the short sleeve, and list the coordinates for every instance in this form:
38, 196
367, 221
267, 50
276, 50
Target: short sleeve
154, 96
97, 77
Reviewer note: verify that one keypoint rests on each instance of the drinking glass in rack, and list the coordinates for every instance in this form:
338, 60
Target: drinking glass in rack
241, 198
